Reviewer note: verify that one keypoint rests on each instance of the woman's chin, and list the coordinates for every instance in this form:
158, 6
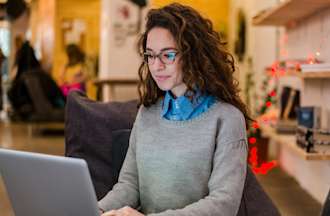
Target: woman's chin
163, 87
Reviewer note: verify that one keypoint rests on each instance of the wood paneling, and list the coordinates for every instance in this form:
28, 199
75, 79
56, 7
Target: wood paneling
89, 12
217, 11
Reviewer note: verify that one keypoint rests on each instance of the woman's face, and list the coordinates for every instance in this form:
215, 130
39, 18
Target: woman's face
164, 61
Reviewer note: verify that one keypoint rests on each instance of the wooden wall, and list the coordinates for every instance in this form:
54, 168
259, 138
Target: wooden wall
217, 11
87, 10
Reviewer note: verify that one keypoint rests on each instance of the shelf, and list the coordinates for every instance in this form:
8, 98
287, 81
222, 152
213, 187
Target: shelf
308, 75
290, 142
289, 11
116, 80
315, 75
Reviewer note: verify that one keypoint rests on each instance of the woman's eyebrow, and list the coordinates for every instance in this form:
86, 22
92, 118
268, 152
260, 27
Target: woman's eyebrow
168, 48
164, 49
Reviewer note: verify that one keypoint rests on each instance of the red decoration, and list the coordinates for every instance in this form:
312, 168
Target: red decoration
265, 167
252, 140
273, 93
124, 11
253, 159
257, 157
255, 125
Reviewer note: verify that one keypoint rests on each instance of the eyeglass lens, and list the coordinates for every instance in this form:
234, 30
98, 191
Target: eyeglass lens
167, 57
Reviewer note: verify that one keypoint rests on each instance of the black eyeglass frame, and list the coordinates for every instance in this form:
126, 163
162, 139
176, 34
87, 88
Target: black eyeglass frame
159, 56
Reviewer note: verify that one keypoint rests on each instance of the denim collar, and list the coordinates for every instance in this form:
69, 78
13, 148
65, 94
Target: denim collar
183, 105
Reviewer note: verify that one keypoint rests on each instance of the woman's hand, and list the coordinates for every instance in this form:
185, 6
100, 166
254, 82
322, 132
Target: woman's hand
125, 211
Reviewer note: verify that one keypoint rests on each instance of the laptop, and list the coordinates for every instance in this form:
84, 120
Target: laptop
40, 184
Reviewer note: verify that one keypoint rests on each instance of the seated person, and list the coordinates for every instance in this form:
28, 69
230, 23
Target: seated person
188, 151
74, 74
33, 91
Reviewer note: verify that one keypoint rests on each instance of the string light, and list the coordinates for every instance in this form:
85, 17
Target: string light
255, 125
272, 93
252, 140
258, 166
268, 103
265, 167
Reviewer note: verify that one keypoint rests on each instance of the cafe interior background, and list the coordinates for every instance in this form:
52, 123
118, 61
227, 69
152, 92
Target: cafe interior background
282, 53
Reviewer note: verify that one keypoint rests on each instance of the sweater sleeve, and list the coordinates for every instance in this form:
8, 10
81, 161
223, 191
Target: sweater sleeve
126, 191
227, 179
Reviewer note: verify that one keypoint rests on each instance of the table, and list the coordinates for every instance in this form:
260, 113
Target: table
111, 82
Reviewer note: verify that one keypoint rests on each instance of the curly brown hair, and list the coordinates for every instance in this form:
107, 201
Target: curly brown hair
205, 61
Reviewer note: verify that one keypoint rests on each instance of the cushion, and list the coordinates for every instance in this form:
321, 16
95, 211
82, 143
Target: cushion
326, 206
254, 200
99, 133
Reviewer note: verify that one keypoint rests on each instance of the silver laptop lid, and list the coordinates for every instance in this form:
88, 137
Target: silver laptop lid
40, 184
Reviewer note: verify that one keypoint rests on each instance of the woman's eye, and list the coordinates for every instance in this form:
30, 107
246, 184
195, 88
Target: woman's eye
170, 55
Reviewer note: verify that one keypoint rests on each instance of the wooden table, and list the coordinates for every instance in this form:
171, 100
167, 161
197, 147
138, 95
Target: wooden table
111, 82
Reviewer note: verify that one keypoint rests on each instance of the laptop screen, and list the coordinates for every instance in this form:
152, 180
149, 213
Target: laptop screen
40, 184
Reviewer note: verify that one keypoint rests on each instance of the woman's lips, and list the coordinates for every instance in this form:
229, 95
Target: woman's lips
162, 78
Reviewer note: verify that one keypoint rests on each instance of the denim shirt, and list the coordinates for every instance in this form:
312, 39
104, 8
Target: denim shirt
183, 108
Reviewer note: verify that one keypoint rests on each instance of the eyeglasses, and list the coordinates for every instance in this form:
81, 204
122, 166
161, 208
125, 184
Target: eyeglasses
166, 57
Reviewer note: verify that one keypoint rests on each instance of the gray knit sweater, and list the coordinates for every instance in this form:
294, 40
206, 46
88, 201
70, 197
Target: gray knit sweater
179, 168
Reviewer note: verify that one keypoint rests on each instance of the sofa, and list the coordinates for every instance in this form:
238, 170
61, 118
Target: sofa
99, 133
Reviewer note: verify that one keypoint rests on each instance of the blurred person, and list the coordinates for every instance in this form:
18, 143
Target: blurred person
25, 60
23, 94
18, 42
3, 73
74, 74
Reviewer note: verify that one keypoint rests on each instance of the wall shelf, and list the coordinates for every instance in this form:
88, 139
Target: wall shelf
290, 142
315, 75
112, 82
308, 75
289, 11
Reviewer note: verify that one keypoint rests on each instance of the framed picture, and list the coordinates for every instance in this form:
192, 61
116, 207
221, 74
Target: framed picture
73, 32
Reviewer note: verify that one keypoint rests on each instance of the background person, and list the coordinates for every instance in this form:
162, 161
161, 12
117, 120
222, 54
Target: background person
74, 74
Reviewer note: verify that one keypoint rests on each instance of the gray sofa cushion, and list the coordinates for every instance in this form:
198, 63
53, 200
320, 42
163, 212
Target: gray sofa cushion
99, 133
255, 202
326, 206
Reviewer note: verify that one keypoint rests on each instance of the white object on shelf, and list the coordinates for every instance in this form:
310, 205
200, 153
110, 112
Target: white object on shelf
315, 67
307, 70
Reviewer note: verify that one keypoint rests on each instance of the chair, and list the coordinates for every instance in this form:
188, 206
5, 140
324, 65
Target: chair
99, 133
36, 98
326, 206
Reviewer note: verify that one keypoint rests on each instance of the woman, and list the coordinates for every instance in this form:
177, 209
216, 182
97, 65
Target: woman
188, 149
